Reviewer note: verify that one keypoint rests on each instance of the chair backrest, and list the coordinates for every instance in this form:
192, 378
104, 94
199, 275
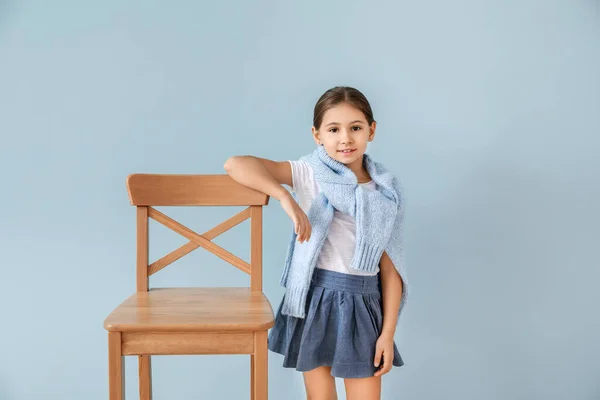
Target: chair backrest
148, 190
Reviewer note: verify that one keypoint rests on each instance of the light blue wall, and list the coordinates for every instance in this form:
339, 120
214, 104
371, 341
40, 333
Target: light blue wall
489, 112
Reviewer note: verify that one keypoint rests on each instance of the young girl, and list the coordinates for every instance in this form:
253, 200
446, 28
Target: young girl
344, 271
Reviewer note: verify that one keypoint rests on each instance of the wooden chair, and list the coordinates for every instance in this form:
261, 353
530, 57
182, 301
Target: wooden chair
199, 320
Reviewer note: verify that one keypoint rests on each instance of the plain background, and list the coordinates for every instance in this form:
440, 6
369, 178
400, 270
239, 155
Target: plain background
489, 113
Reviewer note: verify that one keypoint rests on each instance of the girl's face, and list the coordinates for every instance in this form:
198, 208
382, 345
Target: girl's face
344, 127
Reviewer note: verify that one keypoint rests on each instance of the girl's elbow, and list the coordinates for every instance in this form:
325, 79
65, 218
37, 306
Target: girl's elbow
230, 162
233, 162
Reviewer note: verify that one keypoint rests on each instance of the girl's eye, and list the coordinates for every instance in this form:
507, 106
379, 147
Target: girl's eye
354, 128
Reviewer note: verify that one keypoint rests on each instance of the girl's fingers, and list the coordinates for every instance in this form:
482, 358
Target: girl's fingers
302, 231
298, 228
378, 354
308, 227
387, 365
303, 228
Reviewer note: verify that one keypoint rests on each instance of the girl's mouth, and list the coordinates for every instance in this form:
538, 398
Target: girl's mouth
346, 152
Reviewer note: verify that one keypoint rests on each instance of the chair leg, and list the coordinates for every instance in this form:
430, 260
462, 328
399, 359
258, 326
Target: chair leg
145, 373
116, 378
252, 397
260, 367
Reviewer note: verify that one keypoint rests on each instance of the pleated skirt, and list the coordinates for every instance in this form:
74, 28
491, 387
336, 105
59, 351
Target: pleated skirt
343, 322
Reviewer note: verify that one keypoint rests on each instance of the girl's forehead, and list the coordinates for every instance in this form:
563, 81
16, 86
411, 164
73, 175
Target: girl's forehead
343, 113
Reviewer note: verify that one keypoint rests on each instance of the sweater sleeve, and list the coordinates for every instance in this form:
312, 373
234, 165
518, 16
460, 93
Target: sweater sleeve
289, 253
395, 249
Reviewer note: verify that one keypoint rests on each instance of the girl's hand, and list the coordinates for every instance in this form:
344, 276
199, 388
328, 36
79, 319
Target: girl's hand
302, 226
385, 348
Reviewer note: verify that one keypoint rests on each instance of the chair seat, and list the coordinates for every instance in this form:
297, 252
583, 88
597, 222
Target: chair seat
193, 310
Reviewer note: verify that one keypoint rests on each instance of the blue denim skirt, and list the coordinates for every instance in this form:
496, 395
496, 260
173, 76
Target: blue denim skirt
343, 322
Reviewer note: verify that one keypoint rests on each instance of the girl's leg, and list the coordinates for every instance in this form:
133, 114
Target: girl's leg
320, 385
363, 388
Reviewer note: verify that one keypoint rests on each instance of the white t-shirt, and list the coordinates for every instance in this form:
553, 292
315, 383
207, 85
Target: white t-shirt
338, 250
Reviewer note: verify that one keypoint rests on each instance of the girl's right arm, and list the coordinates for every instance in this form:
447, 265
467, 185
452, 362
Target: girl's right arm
261, 174
268, 176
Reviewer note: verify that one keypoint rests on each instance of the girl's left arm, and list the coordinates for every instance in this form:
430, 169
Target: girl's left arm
391, 287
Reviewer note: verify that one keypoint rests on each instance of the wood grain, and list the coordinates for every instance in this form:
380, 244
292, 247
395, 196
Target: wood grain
199, 240
180, 343
204, 320
193, 310
142, 250
191, 246
145, 377
191, 190
116, 376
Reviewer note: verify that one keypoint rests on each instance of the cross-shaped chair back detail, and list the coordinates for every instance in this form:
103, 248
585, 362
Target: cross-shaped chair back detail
148, 190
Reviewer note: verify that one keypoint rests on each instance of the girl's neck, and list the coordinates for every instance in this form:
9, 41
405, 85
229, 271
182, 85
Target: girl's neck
362, 175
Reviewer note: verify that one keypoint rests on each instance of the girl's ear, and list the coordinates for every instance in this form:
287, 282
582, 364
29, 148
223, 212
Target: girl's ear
372, 130
316, 136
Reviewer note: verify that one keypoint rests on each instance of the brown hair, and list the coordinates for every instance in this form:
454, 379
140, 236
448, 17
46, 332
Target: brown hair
341, 94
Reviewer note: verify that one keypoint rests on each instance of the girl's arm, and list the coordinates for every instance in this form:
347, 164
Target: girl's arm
267, 177
391, 285
263, 175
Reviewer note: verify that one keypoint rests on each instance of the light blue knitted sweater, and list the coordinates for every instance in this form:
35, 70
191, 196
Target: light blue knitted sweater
379, 216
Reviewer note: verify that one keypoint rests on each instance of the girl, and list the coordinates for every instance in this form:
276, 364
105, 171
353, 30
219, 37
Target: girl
344, 271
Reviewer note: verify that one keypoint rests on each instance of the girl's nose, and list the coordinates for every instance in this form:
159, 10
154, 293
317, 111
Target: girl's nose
345, 136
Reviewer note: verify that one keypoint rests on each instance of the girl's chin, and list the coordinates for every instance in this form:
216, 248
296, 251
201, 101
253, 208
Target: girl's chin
345, 160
